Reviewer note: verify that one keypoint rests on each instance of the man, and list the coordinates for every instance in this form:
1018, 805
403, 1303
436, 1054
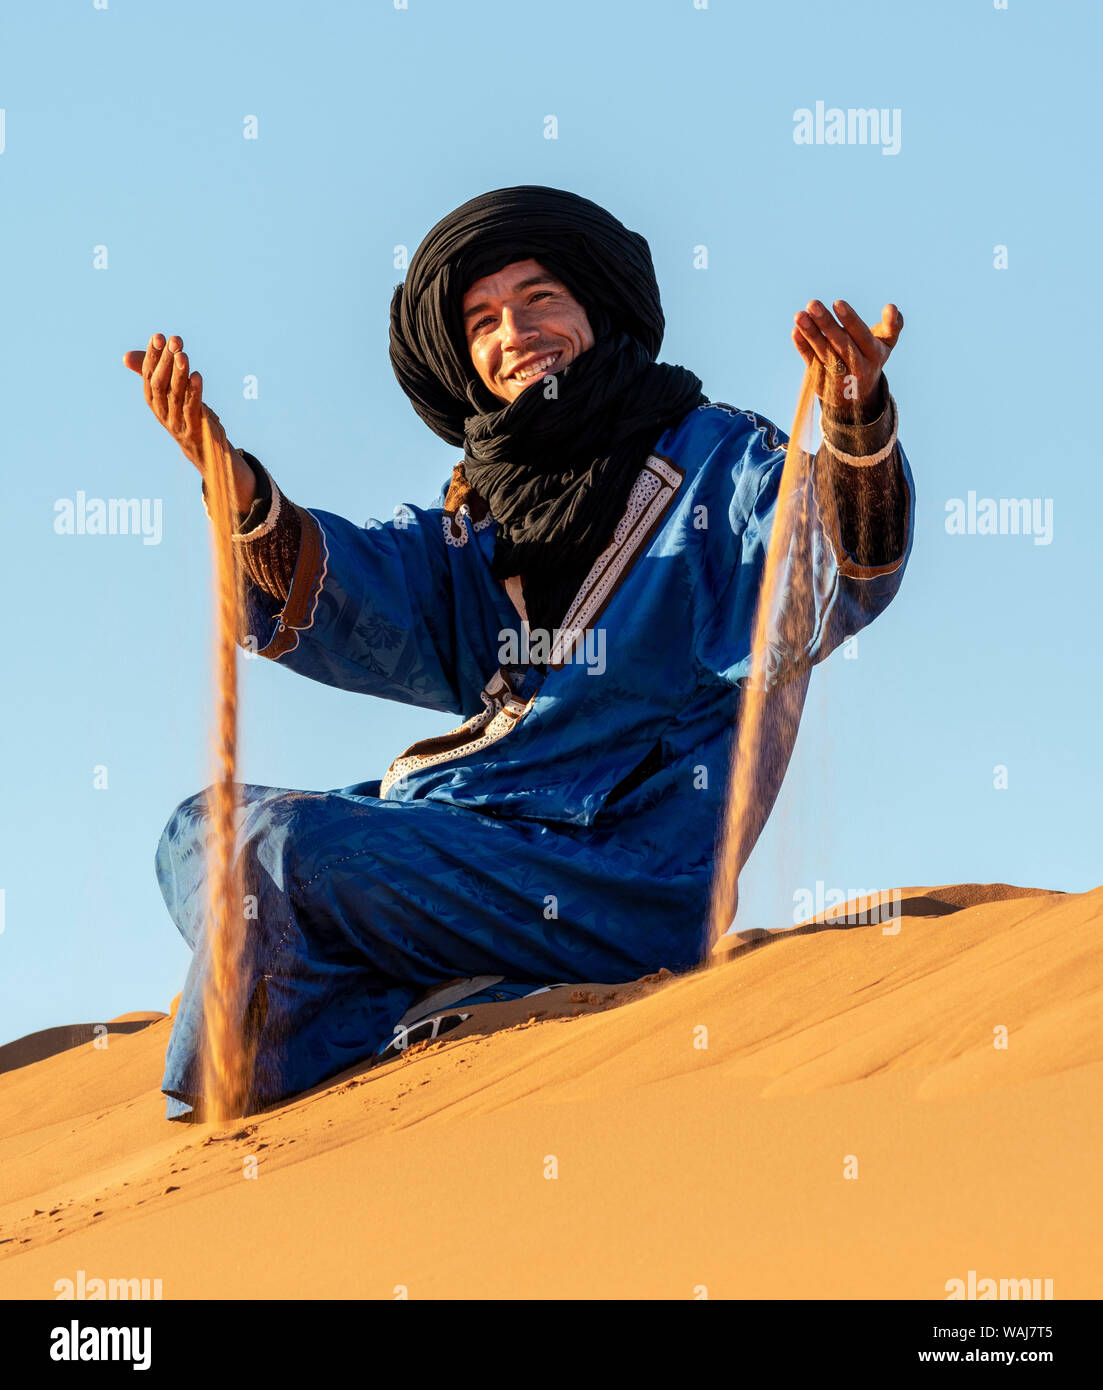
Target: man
582, 594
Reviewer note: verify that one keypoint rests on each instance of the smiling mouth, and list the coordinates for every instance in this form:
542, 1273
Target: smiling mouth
534, 369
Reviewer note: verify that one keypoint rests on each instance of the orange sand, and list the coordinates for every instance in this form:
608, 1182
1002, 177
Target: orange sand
768, 719
225, 1080
678, 1166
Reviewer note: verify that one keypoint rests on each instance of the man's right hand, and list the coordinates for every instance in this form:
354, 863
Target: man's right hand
177, 401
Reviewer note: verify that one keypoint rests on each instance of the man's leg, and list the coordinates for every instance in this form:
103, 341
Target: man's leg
365, 903
311, 1010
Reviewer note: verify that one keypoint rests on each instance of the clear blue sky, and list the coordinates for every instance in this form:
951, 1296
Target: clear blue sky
274, 257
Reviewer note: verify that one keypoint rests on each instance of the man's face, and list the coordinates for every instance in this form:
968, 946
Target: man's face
521, 324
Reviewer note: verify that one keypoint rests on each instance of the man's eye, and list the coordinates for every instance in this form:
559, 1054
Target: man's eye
478, 324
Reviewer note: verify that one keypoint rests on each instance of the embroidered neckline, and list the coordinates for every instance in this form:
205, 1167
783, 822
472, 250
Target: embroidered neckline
651, 493
503, 709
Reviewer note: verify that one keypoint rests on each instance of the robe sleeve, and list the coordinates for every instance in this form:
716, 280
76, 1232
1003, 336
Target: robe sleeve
825, 593
266, 542
369, 609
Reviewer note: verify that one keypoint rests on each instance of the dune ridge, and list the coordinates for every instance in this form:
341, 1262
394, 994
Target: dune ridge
47, 1042
645, 1140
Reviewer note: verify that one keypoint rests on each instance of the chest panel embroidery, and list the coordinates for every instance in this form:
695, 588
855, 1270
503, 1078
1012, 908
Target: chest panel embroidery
503, 709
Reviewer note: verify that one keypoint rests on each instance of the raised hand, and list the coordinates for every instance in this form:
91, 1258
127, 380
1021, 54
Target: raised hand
846, 354
176, 398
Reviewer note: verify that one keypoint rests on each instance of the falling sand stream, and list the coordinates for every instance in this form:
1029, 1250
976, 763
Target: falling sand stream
225, 1065
769, 715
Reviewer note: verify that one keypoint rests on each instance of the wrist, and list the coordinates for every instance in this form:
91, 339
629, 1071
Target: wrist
245, 481
859, 413
862, 446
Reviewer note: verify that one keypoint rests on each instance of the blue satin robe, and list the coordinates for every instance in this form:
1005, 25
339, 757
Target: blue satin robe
567, 831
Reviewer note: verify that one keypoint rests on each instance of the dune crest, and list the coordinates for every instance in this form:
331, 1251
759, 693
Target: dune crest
47, 1042
601, 1141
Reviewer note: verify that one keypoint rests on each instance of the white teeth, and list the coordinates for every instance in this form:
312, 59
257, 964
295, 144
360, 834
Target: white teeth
535, 369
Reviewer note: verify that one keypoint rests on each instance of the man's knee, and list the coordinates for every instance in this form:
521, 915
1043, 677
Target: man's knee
181, 829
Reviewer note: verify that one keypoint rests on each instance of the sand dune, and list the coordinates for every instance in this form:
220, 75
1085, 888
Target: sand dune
47, 1042
645, 1140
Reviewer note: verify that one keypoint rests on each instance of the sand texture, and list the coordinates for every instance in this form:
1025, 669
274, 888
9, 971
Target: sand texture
651, 1140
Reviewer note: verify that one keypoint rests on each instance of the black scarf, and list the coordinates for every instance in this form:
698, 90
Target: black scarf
555, 473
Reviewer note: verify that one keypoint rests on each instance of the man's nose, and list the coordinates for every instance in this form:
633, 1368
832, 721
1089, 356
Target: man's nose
516, 328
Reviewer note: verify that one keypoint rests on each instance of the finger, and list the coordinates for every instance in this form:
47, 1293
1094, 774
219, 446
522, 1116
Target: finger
193, 409
176, 392
888, 330
829, 343
153, 356
811, 361
162, 375
858, 332
134, 359
840, 342
803, 347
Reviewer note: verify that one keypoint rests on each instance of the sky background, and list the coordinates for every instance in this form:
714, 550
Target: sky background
274, 257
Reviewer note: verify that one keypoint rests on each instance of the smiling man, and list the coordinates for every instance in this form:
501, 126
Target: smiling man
565, 831
521, 324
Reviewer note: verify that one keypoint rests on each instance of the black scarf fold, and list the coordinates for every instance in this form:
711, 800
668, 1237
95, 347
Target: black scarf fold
555, 469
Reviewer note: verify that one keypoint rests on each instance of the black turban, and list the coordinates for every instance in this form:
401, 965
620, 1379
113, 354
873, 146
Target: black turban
555, 473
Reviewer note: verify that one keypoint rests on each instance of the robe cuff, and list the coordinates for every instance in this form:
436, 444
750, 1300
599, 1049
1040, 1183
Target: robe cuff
262, 515
864, 432
864, 498
269, 534
262, 500
305, 586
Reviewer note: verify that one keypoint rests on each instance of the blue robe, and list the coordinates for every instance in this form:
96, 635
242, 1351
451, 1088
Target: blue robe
566, 830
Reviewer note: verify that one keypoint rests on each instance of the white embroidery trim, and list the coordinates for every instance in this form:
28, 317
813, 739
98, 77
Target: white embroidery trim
503, 713
867, 460
766, 428
463, 515
449, 539
647, 500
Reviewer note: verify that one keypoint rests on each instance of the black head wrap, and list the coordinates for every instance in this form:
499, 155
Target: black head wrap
555, 473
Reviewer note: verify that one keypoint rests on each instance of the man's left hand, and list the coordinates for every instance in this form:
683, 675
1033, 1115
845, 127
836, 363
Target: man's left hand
845, 354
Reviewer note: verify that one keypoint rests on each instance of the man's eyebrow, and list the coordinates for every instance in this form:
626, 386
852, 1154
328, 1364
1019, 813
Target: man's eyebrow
521, 285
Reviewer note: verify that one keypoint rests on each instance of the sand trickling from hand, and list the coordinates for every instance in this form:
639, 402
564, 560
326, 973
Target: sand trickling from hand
768, 718
225, 1083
